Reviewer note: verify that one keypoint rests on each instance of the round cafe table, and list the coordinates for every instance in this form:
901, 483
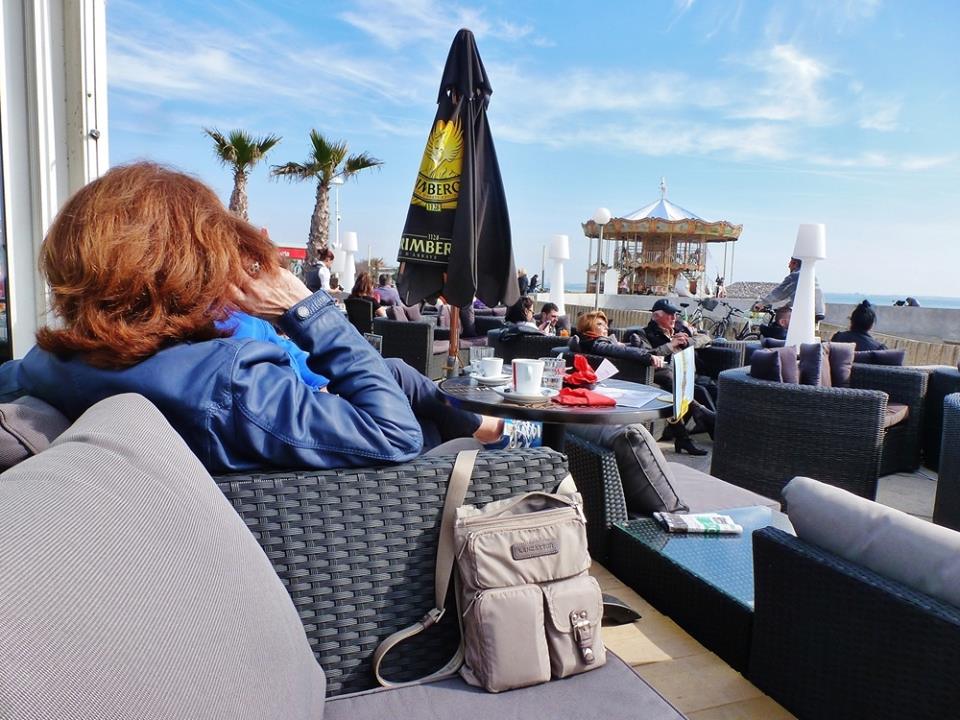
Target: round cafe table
466, 393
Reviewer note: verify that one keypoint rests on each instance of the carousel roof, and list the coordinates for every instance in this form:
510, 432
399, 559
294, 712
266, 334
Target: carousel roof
663, 217
663, 209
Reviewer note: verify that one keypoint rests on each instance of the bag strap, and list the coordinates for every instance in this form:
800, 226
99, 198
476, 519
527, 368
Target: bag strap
456, 492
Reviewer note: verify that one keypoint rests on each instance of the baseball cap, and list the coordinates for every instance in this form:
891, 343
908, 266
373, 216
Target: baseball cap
664, 304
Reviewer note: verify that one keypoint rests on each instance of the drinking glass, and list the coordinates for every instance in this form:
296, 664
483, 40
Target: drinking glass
553, 371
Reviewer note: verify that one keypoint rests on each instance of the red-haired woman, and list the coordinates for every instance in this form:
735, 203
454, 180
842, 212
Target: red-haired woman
364, 290
144, 263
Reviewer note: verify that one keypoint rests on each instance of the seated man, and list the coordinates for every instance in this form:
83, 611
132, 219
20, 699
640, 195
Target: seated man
547, 321
777, 330
388, 294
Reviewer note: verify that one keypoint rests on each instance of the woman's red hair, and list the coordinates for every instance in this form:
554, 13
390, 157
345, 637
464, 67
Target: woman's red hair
141, 259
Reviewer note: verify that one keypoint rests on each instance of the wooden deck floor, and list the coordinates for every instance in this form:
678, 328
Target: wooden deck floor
695, 680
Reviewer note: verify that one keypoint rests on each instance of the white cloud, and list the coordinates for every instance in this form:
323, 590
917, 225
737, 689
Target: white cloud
793, 88
879, 115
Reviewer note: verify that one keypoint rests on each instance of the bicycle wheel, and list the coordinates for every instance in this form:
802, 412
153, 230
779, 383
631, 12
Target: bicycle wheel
751, 336
718, 329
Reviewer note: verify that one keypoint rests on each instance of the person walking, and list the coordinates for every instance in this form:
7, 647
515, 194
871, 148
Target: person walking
783, 294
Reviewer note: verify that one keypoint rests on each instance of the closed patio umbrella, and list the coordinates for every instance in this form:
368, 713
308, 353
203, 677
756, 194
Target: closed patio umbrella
456, 240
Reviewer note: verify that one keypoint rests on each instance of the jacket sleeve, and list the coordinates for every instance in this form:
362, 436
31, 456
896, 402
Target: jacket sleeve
619, 350
364, 418
784, 291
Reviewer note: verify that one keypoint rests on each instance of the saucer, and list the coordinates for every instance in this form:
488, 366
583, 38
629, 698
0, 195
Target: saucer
508, 393
491, 381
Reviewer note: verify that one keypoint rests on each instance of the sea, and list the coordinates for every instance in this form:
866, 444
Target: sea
932, 301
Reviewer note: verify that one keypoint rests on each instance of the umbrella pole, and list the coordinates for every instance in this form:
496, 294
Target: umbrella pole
453, 359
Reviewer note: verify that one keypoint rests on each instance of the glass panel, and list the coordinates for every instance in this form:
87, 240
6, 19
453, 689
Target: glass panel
5, 347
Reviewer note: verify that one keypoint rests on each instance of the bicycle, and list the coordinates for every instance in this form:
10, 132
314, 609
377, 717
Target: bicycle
718, 328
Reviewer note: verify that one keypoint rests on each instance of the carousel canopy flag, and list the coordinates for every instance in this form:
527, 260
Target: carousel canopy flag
657, 243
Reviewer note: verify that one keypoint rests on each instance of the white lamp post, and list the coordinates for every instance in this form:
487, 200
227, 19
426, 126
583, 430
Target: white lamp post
336, 181
559, 253
811, 246
601, 216
350, 247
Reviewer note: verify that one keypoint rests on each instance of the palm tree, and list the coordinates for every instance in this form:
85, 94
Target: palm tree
241, 151
326, 161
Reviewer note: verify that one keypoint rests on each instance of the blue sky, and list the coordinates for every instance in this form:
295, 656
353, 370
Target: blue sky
768, 114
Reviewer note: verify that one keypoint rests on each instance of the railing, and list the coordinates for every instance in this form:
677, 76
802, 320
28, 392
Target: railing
918, 352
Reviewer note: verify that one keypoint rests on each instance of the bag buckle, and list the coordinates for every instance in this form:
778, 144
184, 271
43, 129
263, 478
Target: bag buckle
432, 617
583, 634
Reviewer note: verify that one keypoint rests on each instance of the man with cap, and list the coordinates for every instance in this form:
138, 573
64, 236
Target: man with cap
666, 333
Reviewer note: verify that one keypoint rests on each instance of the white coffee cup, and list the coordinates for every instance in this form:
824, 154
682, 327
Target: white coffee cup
527, 376
491, 367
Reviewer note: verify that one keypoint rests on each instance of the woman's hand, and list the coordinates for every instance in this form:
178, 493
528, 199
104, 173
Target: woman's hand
270, 295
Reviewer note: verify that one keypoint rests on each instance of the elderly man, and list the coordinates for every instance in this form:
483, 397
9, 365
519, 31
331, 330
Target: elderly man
785, 291
666, 333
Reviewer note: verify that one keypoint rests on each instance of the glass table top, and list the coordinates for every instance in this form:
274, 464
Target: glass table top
723, 561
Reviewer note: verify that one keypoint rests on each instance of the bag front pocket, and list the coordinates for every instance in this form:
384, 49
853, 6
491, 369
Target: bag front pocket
574, 613
506, 645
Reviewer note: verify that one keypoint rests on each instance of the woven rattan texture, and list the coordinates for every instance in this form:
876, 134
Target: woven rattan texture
523, 345
598, 479
631, 370
356, 550
832, 639
908, 386
942, 382
946, 506
412, 342
767, 433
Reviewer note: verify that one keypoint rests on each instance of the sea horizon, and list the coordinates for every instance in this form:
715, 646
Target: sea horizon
853, 298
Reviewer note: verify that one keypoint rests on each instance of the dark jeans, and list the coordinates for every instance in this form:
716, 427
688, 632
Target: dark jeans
439, 422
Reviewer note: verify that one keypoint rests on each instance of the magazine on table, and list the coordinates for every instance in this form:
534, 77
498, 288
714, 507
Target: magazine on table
706, 523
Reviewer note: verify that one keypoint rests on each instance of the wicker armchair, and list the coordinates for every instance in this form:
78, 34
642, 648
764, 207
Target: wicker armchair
943, 381
767, 432
523, 345
833, 639
415, 343
360, 313
355, 548
946, 507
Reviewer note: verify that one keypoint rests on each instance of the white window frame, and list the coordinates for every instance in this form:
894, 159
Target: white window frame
53, 120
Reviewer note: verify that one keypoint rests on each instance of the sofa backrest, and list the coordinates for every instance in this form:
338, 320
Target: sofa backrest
890, 542
130, 588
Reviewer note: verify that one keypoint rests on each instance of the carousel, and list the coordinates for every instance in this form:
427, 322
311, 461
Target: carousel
654, 247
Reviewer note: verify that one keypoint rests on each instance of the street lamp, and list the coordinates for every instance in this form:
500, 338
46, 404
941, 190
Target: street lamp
337, 181
601, 216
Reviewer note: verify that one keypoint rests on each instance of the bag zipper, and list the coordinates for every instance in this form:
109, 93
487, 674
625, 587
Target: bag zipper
522, 522
480, 521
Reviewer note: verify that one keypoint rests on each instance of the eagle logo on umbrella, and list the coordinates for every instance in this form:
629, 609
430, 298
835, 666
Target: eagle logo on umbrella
438, 182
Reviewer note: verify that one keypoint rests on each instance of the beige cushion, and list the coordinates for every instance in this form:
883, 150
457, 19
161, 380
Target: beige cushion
704, 493
892, 543
131, 589
895, 413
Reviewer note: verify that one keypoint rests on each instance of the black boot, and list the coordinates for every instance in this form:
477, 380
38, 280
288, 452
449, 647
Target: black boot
682, 441
705, 419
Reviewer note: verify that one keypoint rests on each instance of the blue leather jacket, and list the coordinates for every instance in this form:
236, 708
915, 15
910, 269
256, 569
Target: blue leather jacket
240, 404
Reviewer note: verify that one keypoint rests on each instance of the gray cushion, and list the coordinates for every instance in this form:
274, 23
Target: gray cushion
644, 471
130, 587
813, 370
840, 359
27, 426
611, 692
880, 357
705, 493
892, 543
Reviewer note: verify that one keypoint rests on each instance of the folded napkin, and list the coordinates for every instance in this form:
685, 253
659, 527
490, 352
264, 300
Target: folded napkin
582, 374
581, 396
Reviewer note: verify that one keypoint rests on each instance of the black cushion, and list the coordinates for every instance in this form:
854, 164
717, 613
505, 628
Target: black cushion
765, 365
813, 371
840, 357
880, 357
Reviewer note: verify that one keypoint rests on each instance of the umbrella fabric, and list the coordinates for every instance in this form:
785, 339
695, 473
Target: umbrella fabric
456, 239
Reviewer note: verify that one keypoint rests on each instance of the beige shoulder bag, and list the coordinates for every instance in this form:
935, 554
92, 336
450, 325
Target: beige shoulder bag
528, 609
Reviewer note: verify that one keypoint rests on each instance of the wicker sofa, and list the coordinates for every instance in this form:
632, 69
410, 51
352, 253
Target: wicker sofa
768, 432
857, 616
946, 506
943, 381
130, 587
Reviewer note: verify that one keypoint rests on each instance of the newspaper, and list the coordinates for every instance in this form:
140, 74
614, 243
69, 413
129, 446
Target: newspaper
708, 523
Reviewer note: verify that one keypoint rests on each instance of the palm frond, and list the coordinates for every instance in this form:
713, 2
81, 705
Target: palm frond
358, 162
239, 148
223, 148
294, 171
326, 154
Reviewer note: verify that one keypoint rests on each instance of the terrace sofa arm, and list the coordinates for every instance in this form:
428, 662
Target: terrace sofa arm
767, 433
946, 506
942, 381
413, 342
630, 370
486, 323
832, 639
356, 548
907, 386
